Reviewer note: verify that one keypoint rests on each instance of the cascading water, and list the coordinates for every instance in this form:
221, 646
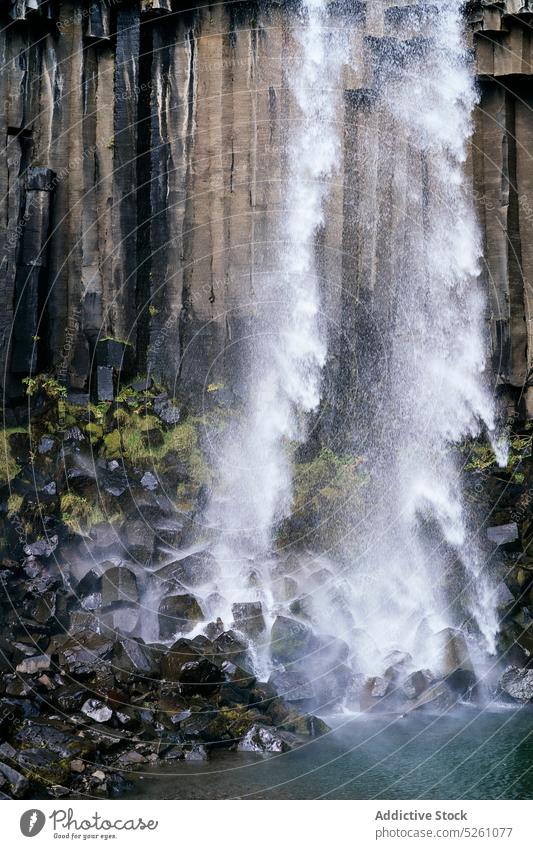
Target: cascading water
409, 565
289, 346
418, 568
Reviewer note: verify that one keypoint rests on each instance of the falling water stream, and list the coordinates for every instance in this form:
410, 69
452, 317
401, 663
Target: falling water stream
412, 565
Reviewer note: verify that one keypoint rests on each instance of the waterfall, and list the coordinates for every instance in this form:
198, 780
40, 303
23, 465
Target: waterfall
288, 344
422, 316
414, 312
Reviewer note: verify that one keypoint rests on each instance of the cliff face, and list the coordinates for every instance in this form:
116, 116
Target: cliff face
141, 171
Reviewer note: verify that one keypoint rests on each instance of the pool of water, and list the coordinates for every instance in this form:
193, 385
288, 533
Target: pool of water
473, 754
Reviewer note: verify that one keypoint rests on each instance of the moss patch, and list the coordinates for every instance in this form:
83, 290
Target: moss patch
78, 514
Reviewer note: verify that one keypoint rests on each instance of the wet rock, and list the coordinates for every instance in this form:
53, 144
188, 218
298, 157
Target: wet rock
44, 765
504, 536
149, 481
262, 739
178, 614
69, 698
196, 753
248, 618
166, 410
32, 665
417, 683
53, 735
138, 539
119, 586
438, 698
82, 653
194, 570
16, 782
97, 710
293, 684
199, 676
105, 384
113, 481
42, 547
46, 444
452, 659
134, 658
232, 647
181, 652
289, 640
518, 684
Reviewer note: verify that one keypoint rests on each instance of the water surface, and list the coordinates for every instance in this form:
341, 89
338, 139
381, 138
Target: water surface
473, 754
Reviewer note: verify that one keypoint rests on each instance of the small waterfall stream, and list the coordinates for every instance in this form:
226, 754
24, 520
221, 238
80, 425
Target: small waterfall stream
289, 344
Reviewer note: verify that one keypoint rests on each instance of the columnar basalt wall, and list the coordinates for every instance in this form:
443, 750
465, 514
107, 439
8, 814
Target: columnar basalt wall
140, 173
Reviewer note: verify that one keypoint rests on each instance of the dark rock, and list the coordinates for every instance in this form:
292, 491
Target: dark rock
46, 444
231, 647
178, 614
44, 765
518, 684
504, 536
166, 410
196, 753
172, 662
262, 739
81, 654
438, 698
42, 547
417, 683
32, 665
194, 570
138, 539
105, 383
199, 676
453, 659
131, 657
111, 353
53, 735
289, 640
97, 710
149, 481
69, 698
293, 685
17, 783
248, 618
119, 585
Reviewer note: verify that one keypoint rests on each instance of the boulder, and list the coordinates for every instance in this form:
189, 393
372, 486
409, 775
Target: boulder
42, 547
16, 782
263, 740
289, 640
504, 536
97, 710
84, 652
452, 659
417, 683
194, 570
178, 614
131, 657
54, 735
172, 662
248, 618
517, 684
199, 676
119, 586
138, 539
32, 665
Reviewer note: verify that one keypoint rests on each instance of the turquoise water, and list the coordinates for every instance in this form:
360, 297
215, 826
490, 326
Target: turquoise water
473, 754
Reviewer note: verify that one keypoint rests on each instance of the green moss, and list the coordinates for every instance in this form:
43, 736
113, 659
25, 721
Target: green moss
322, 488
78, 514
14, 504
9, 468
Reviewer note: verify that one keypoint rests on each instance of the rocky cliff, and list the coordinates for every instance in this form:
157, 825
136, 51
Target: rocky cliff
140, 178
